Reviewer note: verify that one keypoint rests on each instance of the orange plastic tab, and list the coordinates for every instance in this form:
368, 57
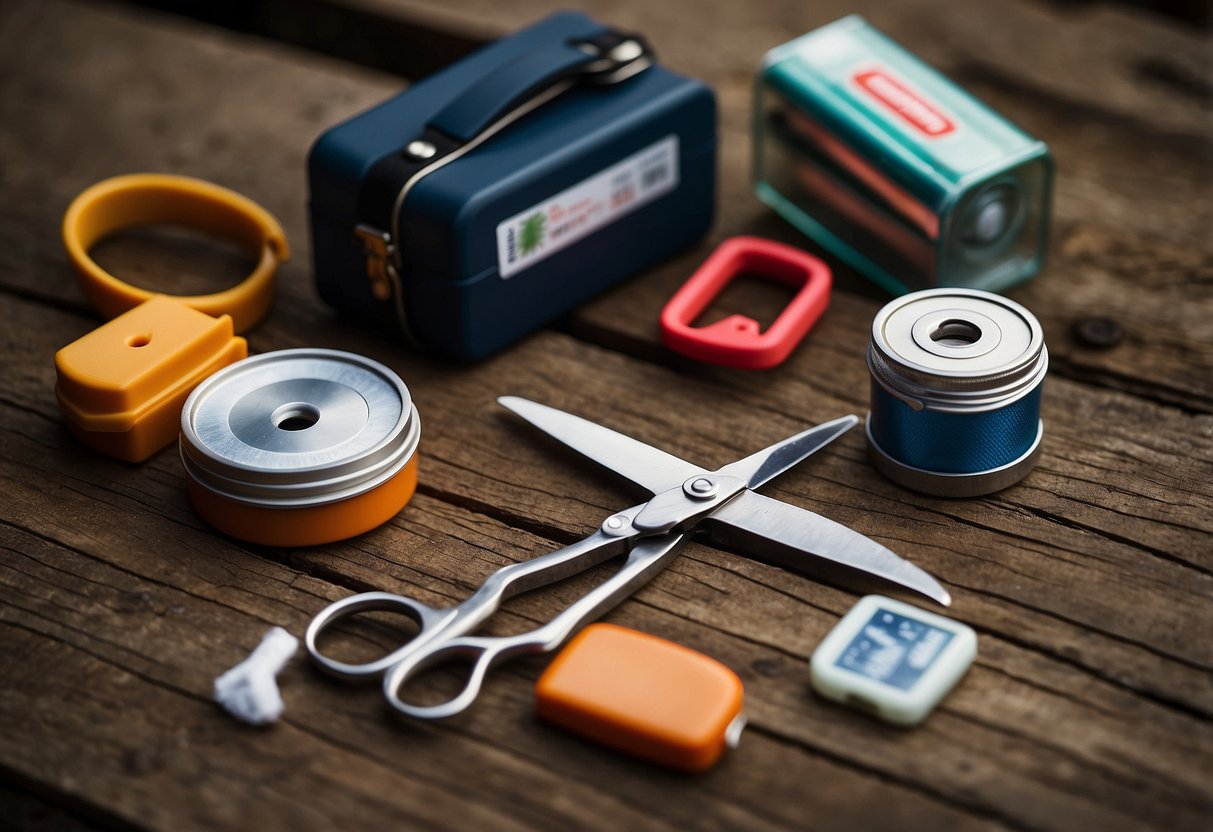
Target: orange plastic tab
122, 385
644, 696
139, 199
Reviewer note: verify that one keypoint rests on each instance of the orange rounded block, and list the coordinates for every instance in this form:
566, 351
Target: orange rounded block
121, 386
644, 696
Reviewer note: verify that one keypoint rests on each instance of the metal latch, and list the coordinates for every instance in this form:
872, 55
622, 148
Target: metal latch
380, 254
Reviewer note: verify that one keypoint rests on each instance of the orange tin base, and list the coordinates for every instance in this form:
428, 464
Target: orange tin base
310, 525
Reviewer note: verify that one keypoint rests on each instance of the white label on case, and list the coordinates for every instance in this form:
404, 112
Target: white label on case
544, 229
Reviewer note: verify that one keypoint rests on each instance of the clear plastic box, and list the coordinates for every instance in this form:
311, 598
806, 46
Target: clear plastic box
893, 168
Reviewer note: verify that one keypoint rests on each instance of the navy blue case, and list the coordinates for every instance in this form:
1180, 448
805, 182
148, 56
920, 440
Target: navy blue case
432, 263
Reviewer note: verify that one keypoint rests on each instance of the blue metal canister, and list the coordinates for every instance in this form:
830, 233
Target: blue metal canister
956, 383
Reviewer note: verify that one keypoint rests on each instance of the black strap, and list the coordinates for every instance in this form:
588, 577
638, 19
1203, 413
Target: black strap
605, 58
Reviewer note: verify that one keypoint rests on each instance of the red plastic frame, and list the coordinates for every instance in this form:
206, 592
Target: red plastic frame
737, 340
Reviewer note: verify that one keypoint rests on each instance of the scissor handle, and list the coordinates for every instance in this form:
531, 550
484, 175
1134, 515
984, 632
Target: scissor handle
430, 620
441, 625
485, 653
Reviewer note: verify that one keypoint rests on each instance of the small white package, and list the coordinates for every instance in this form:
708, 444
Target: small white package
249, 691
892, 659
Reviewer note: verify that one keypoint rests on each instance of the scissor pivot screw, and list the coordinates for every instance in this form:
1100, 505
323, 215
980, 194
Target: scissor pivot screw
700, 487
616, 524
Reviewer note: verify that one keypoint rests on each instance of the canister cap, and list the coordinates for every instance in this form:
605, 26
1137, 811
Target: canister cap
297, 428
957, 349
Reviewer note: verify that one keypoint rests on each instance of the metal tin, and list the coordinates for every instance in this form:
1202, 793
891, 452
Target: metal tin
956, 384
300, 447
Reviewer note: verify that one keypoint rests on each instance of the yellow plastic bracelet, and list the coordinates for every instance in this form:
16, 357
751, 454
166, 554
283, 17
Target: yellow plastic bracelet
125, 202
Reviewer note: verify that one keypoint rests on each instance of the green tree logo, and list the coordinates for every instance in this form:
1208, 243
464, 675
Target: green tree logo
531, 235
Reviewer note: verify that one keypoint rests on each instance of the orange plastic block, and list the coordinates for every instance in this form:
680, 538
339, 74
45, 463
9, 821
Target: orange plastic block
644, 696
122, 386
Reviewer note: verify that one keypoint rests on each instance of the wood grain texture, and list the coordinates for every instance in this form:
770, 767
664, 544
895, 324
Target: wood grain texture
178, 595
1089, 584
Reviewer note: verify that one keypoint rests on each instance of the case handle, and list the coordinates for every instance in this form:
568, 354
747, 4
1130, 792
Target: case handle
497, 100
601, 59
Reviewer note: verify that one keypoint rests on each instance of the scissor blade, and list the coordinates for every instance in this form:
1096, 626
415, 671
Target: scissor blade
804, 542
765, 465
648, 467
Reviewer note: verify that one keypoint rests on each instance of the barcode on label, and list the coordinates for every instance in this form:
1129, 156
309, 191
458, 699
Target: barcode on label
556, 223
655, 174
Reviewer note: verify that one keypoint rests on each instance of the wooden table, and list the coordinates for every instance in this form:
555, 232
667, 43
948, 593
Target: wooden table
1090, 584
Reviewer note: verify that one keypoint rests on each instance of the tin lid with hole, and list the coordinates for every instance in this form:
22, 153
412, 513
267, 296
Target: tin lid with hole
957, 348
298, 428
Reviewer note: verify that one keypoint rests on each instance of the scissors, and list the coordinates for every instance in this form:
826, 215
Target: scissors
683, 496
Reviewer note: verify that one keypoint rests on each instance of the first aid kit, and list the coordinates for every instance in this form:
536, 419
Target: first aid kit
495, 196
501, 192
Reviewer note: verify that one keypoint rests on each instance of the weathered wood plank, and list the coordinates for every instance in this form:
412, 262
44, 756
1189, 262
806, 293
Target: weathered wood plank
163, 602
135, 601
27, 812
140, 110
1157, 542
1118, 84
116, 639
1118, 180
1086, 583
488, 394
771, 620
